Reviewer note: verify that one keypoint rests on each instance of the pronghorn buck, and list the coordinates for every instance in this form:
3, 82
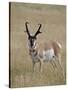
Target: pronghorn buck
49, 51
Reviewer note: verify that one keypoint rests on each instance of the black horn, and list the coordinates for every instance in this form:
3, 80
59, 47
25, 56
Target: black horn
27, 28
38, 31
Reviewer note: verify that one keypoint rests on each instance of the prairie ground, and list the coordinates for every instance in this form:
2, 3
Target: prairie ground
53, 20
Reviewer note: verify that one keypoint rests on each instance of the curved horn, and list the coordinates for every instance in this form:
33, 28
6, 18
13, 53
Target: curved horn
27, 28
38, 31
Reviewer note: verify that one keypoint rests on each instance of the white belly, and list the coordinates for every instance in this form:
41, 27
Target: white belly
48, 55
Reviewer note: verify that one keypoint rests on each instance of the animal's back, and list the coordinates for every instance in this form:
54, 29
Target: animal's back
57, 48
49, 49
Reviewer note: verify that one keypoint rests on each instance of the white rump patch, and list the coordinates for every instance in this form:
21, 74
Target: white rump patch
48, 54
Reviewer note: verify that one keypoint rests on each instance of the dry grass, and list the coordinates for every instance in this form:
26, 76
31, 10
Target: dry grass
53, 20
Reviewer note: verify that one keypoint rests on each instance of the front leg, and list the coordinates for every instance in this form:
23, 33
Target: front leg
41, 65
33, 66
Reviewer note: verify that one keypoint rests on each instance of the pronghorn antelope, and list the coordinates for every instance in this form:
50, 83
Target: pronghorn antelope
50, 51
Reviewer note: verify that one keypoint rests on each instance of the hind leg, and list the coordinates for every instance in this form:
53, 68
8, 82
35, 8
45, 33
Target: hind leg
53, 63
58, 59
59, 63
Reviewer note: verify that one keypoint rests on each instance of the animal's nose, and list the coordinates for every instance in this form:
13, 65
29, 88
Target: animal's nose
31, 44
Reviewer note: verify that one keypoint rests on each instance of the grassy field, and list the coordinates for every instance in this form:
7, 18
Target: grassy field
53, 20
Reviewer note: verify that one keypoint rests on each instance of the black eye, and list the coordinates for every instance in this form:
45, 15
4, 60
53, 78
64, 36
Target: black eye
35, 38
28, 37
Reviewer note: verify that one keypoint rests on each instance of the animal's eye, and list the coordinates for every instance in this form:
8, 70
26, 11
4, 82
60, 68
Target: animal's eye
35, 38
28, 37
